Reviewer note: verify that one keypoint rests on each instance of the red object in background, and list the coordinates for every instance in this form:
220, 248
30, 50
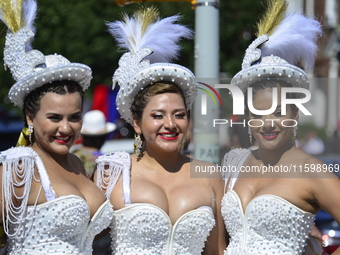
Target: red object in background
79, 140
234, 118
104, 99
329, 249
100, 99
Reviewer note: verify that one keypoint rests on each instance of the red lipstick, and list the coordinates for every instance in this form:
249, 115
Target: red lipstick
168, 136
270, 135
62, 139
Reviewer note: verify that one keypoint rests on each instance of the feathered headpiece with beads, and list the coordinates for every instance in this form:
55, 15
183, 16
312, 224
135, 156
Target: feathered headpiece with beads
286, 40
151, 43
30, 68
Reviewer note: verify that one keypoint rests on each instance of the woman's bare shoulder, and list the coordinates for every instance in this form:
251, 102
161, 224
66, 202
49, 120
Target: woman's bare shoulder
296, 155
312, 167
197, 162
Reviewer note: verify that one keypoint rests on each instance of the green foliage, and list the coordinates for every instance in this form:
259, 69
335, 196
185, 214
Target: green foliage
304, 129
237, 31
77, 30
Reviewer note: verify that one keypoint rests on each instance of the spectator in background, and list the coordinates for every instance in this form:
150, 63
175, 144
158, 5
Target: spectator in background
314, 145
94, 132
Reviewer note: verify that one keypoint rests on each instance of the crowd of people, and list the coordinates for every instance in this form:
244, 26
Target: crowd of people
57, 200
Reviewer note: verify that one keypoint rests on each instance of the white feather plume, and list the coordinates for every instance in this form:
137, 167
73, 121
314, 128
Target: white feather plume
294, 40
18, 14
29, 10
161, 36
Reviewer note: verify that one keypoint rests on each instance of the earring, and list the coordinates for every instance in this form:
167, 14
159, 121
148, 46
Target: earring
250, 135
182, 145
30, 131
137, 145
295, 128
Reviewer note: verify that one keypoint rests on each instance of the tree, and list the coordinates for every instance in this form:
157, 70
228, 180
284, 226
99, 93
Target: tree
77, 30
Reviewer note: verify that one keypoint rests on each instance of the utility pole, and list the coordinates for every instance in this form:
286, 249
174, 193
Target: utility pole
205, 136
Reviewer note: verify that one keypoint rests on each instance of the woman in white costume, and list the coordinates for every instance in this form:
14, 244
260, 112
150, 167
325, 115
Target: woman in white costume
273, 212
159, 209
49, 205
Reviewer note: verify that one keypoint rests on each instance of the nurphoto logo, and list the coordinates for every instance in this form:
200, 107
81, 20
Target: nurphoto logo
239, 107
204, 97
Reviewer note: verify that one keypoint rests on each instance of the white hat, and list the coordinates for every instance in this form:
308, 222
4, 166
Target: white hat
286, 39
94, 124
152, 43
30, 68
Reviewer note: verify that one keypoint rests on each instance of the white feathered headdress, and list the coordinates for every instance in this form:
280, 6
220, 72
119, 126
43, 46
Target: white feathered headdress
151, 43
286, 40
30, 68
18, 14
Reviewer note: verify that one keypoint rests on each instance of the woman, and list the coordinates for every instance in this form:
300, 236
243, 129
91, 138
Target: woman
49, 206
270, 211
159, 209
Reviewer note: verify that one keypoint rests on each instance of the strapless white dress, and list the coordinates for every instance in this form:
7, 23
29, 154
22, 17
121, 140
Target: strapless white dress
142, 228
269, 225
62, 225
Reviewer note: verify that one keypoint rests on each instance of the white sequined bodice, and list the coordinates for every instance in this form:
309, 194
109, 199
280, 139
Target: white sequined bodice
269, 225
62, 225
146, 229
143, 228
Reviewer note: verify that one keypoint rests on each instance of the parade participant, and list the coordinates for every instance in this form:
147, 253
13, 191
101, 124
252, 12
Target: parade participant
49, 206
272, 212
159, 209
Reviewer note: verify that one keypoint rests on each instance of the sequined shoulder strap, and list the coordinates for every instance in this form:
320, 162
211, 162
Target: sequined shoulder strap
17, 171
45, 180
233, 161
109, 168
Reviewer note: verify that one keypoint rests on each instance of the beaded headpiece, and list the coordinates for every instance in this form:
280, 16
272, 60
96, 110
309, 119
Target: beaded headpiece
30, 68
152, 44
286, 38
